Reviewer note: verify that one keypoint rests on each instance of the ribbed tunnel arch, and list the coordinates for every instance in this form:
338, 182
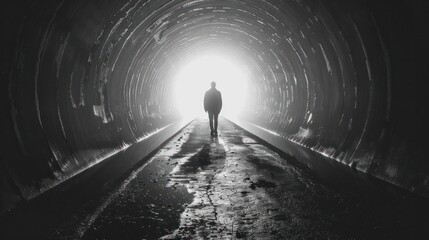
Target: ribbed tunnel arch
86, 79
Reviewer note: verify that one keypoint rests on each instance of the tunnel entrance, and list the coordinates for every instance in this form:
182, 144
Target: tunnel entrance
194, 78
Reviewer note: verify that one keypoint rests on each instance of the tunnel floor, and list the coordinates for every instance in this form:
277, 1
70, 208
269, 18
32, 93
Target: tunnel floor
231, 187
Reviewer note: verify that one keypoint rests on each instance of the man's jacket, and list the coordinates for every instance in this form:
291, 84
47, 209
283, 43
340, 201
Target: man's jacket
213, 101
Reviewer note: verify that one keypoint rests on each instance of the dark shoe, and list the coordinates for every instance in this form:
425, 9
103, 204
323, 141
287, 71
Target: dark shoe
211, 133
215, 133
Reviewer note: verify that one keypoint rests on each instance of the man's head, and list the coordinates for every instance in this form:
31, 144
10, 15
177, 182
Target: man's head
213, 84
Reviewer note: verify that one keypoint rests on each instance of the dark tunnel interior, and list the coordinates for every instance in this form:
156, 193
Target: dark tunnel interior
83, 80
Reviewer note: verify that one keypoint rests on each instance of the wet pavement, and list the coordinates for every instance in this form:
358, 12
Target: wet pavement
232, 187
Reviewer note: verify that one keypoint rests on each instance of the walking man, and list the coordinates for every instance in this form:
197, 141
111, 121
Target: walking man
213, 105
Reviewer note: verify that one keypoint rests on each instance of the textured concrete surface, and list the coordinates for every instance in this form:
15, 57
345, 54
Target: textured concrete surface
233, 187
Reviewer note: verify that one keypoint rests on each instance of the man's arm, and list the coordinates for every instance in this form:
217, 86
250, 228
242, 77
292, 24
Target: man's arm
205, 102
220, 101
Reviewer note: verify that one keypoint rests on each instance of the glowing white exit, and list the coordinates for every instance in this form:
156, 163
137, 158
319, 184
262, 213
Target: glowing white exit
194, 78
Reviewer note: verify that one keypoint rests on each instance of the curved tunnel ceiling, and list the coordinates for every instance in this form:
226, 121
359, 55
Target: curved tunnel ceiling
88, 77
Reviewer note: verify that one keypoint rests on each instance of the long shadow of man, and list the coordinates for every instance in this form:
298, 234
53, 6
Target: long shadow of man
213, 105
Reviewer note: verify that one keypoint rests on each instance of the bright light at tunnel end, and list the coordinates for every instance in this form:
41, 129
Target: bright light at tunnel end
193, 80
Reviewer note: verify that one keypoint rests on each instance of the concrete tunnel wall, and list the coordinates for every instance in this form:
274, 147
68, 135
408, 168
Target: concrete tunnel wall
83, 80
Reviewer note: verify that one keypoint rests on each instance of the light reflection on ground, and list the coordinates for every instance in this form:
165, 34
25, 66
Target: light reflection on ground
232, 187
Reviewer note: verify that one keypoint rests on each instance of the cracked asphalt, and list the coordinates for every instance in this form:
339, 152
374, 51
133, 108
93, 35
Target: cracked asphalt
227, 187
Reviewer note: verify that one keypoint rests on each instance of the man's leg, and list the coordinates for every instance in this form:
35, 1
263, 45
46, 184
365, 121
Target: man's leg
211, 123
215, 123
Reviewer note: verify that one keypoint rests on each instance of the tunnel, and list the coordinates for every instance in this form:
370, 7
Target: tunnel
85, 80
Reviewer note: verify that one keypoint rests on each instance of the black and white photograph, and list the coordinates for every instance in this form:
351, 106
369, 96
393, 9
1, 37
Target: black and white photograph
214, 119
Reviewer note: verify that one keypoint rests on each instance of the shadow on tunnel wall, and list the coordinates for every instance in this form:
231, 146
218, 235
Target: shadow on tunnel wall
84, 78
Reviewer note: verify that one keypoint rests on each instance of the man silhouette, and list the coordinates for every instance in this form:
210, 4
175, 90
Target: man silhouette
213, 105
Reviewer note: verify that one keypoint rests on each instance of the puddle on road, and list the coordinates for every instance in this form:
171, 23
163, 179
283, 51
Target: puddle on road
230, 198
